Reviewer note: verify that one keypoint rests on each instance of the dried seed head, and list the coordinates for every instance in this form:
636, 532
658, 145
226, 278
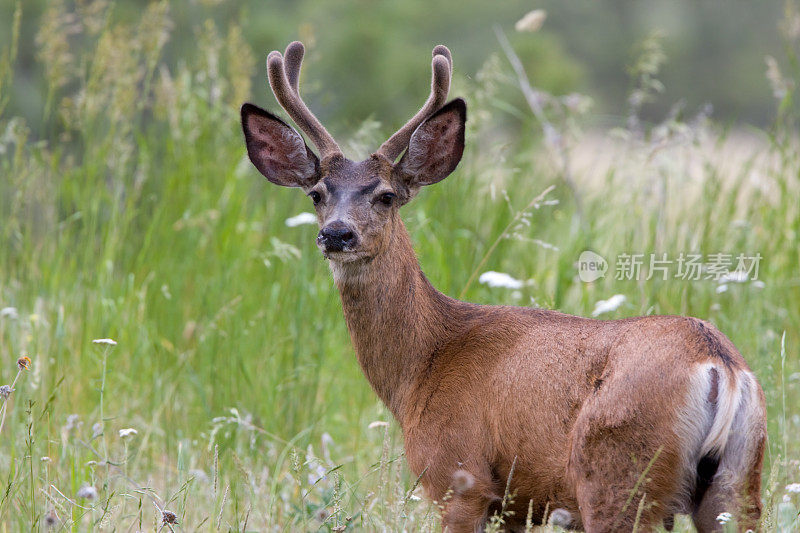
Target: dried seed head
87, 492
462, 481
51, 519
24, 362
561, 518
532, 21
322, 514
168, 517
5, 391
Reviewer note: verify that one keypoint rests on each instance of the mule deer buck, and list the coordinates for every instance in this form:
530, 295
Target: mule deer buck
618, 422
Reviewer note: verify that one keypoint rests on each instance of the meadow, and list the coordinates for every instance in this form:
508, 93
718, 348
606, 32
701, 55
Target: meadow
190, 368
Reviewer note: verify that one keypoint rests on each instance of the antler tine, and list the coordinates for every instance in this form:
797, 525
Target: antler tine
292, 60
441, 67
442, 50
284, 75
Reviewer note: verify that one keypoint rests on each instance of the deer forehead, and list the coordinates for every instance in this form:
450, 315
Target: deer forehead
340, 173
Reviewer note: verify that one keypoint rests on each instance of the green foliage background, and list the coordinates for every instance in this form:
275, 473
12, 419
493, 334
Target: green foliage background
128, 210
366, 54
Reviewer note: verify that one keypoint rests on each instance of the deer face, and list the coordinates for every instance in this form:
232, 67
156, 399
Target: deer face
356, 202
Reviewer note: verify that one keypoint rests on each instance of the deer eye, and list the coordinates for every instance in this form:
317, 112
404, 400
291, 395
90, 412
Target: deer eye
315, 197
386, 198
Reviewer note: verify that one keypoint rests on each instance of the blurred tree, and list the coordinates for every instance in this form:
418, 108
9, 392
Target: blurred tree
371, 57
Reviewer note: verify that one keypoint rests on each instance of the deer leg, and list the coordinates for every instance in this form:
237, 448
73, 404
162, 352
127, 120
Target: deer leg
611, 499
731, 496
623, 465
465, 513
736, 485
466, 499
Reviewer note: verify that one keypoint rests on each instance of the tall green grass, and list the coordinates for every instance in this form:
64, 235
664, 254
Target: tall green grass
137, 217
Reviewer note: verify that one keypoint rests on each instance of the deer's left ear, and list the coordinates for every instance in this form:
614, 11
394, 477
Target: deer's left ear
435, 147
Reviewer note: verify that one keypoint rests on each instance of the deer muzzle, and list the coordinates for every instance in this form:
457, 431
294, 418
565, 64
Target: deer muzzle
337, 237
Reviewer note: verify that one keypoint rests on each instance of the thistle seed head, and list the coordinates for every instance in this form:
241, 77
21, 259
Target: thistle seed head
462, 481
51, 519
561, 518
87, 492
168, 517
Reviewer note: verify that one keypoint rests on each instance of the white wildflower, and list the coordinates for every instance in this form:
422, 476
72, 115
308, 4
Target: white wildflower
758, 284
532, 21
127, 432
724, 518
97, 429
737, 276
722, 288
793, 487
499, 279
787, 498
9, 312
317, 473
109, 342
378, 424
87, 492
5, 391
45, 459
302, 218
606, 306
73, 421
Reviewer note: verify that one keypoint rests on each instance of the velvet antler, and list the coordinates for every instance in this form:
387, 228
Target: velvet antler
284, 76
442, 68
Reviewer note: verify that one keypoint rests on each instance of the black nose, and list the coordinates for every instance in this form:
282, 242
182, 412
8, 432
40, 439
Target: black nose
336, 236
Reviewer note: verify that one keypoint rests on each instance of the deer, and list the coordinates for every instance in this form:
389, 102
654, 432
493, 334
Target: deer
619, 424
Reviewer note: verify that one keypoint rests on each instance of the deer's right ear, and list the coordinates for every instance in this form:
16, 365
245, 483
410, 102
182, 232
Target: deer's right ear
277, 150
435, 147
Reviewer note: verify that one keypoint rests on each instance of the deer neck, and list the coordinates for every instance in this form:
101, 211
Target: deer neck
396, 319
